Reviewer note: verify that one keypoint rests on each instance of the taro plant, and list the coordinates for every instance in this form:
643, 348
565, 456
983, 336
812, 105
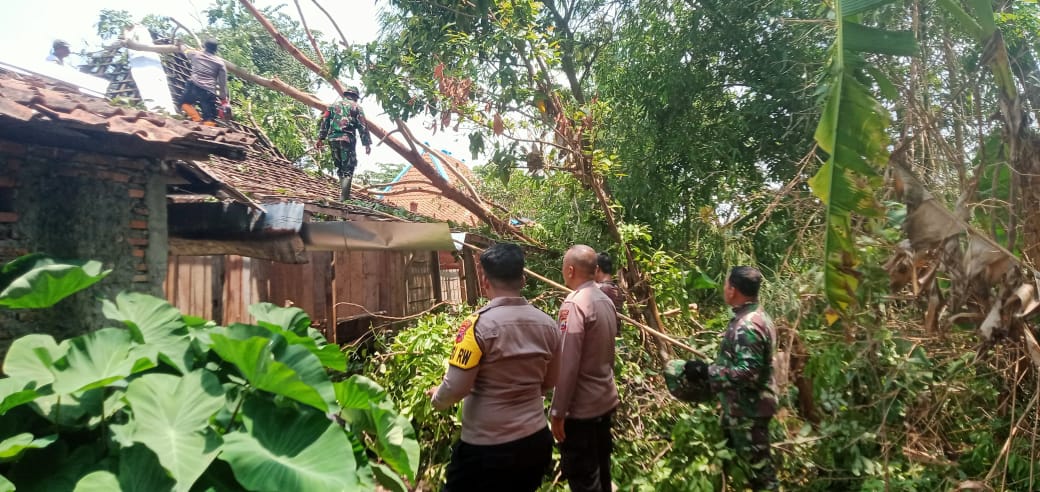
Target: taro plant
168, 402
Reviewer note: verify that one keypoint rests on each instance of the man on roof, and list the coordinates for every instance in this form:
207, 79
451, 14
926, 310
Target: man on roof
207, 86
59, 50
338, 126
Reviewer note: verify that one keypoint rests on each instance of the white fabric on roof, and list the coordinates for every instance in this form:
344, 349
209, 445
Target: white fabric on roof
147, 70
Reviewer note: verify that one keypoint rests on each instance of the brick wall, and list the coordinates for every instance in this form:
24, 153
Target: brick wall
74, 204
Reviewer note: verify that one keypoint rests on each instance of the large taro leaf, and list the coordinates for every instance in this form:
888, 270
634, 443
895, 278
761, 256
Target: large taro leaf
71, 410
32, 358
39, 281
15, 392
290, 318
13, 447
139, 471
6, 485
292, 372
96, 359
157, 326
293, 324
171, 417
288, 449
366, 406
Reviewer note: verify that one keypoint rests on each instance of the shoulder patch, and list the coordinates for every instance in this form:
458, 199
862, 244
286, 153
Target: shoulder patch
563, 318
466, 353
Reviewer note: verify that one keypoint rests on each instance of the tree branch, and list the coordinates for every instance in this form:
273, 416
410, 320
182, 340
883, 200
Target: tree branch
343, 38
314, 42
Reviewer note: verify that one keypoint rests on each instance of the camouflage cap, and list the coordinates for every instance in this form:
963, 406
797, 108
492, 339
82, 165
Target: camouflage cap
352, 90
681, 387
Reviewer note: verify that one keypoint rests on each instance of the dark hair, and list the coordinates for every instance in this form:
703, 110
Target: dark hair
504, 263
746, 280
605, 263
211, 46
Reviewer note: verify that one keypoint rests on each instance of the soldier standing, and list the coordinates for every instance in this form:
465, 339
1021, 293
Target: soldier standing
742, 377
586, 396
338, 124
506, 357
207, 86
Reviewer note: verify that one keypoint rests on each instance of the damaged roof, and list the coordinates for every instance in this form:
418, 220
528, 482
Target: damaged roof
38, 110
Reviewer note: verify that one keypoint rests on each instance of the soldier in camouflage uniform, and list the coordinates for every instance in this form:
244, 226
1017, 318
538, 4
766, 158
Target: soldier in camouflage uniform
338, 124
742, 376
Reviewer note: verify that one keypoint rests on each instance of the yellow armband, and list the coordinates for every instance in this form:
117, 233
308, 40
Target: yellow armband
466, 354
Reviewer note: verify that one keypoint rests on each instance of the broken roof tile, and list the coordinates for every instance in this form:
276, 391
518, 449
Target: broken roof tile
37, 99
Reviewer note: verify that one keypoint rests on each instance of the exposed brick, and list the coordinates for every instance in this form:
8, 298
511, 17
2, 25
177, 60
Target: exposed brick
141, 278
139, 253
141, 211
8, 217
134, 193
7, 182
136, 241
141, 267
138, 224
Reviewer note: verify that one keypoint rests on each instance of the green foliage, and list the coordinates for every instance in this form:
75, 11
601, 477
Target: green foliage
852, 134
39, 281
169, 402
408, 365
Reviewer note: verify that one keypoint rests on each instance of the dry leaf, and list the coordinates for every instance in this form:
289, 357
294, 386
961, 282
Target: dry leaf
498, 126
984, 261
1031, 345
991, 322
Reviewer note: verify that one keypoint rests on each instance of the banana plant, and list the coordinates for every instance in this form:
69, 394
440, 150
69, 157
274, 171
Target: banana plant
851, 132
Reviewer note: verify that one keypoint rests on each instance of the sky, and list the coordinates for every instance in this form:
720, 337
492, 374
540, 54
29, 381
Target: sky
28, 27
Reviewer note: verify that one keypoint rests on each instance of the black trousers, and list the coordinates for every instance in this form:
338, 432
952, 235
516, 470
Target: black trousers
585, 453
515, 466
206, 100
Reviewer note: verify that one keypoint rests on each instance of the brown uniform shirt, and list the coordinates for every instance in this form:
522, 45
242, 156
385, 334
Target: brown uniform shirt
506, 357
209, 72
585, 388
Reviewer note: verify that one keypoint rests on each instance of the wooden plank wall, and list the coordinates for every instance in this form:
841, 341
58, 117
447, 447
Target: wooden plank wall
190, 285
223, 287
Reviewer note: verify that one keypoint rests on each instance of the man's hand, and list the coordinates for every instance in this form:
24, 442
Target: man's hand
556, 424
696, 371
320, 145
432, 391
368, 149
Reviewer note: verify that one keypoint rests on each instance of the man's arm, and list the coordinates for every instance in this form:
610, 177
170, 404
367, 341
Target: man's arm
752, 354
366, 137
572, 323
325, 126
552, 373
222, 83
456, 385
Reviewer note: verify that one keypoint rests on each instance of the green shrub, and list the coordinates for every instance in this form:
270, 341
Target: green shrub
172, 402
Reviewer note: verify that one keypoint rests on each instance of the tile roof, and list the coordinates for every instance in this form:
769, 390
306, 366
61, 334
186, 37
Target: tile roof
35, 108
415, 192
265, 175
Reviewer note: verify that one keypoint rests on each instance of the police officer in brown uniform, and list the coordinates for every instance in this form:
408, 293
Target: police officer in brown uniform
586, 396
505, 359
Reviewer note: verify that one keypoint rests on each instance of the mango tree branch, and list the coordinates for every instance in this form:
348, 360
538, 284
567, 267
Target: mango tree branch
343, 38
314, 42
410, 155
